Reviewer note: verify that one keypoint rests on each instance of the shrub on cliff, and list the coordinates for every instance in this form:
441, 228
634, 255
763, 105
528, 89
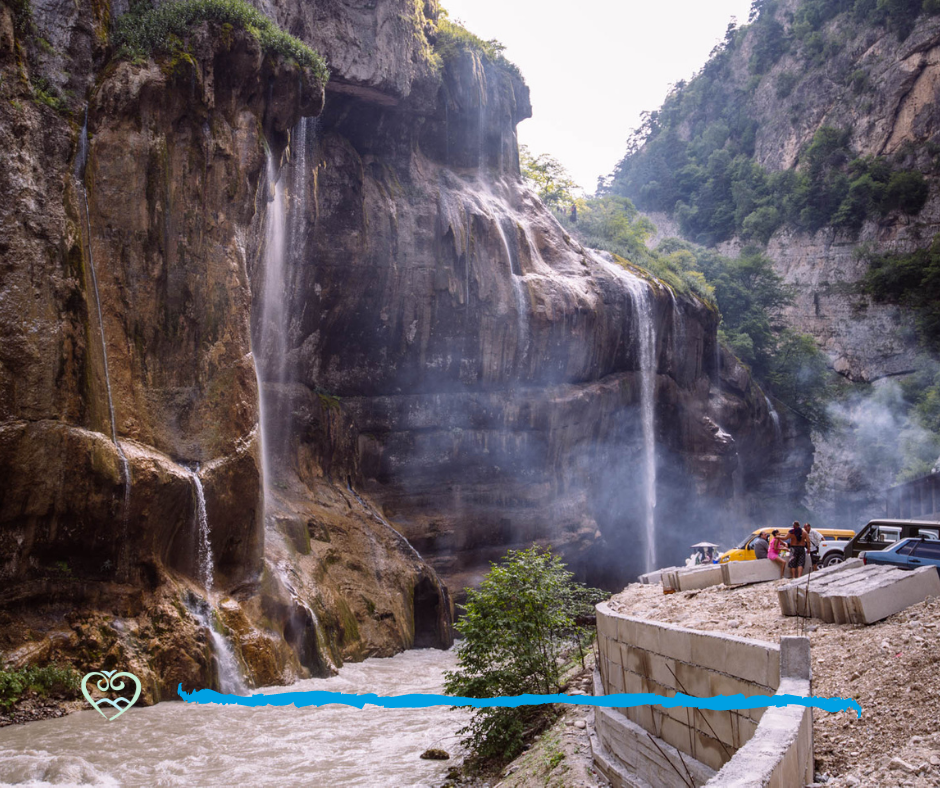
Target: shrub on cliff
452, 38
516, 627
144, 31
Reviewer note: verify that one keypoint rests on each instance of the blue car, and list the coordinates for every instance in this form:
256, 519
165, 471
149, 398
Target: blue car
906, 554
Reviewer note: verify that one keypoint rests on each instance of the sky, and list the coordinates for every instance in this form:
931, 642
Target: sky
594, 65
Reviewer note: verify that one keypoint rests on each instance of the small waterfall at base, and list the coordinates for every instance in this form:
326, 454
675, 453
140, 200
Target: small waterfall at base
203, 545
230, 677
646, 344
322, 645
775, 417
81, 160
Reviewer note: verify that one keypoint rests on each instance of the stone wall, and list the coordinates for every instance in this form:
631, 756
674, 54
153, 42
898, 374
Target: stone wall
660, 746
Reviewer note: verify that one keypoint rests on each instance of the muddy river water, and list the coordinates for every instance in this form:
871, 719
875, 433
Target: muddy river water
176, 744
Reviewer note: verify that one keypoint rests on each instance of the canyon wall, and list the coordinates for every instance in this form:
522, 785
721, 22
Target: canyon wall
458, 372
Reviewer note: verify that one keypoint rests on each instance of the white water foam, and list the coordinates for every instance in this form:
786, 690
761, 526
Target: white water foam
176, 744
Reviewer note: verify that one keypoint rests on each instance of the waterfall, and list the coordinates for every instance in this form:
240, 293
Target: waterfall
646, 342
519, 293
284, 240
201, 523
230, 676
322, 645
270, 360
481, 162
81, 161
775, 417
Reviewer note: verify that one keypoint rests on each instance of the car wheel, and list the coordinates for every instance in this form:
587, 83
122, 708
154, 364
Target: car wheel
832, 559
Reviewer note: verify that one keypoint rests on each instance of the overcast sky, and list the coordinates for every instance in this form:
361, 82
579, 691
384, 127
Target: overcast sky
594, 65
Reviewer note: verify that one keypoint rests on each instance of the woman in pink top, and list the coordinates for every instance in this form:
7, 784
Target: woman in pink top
773, 551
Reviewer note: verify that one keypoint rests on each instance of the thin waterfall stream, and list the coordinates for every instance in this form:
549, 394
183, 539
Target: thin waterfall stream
775, 418
645, 333
229, 672
81, 161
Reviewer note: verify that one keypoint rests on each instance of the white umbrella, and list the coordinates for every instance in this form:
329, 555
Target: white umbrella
704, 544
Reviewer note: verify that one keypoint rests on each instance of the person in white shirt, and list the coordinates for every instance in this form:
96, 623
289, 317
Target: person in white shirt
815, 540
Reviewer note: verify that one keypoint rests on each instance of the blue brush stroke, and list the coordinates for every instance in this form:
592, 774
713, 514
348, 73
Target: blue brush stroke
719, 703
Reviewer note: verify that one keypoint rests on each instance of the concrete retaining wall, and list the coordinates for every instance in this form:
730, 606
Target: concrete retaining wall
652, 745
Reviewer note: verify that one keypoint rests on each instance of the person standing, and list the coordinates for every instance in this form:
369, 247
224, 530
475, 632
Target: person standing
774, 549
815, 542
760, 546
796, 537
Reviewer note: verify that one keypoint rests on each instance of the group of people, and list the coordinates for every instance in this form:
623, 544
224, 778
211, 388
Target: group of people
800, 540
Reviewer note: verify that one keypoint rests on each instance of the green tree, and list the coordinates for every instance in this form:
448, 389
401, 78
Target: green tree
549, 178
515, 627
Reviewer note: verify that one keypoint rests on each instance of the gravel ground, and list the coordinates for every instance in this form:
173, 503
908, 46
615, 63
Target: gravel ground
891, 668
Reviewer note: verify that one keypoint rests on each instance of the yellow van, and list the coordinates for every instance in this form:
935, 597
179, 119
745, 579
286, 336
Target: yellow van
830, 551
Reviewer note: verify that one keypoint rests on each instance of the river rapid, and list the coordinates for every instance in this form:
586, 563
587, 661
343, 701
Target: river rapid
176, 744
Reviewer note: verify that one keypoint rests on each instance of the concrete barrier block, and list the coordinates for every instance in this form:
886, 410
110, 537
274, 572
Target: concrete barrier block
674, 733
722, 684
747, 659
656, 577
674, 642
662, 670
710, 751
795, 660
636, 659
645, 636
885, 599
700, 577
719, 724
626, 629
693, 680
670, 581
744, 572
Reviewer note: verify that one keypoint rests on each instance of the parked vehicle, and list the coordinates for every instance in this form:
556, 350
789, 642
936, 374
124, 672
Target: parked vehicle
881, 534
830, 550
906, 554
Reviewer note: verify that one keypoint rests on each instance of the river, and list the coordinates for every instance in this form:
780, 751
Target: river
173, 744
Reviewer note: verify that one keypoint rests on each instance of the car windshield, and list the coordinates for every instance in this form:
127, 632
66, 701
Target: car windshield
745, 542
906, 548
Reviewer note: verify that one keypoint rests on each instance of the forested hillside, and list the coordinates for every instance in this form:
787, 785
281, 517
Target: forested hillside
811, 139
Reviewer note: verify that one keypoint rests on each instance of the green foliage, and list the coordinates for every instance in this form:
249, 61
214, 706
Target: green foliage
145, 31
785, 83
22, 16
453, 38
751, 295
694, 157
549, 178
53, 679
515, 628
912, 280
616, 226
46, 93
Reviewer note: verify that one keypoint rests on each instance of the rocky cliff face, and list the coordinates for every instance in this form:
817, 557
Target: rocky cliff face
884, 90
456, 369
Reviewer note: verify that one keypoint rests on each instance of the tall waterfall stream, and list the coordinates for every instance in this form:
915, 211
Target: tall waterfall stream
81, 161
175, 744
